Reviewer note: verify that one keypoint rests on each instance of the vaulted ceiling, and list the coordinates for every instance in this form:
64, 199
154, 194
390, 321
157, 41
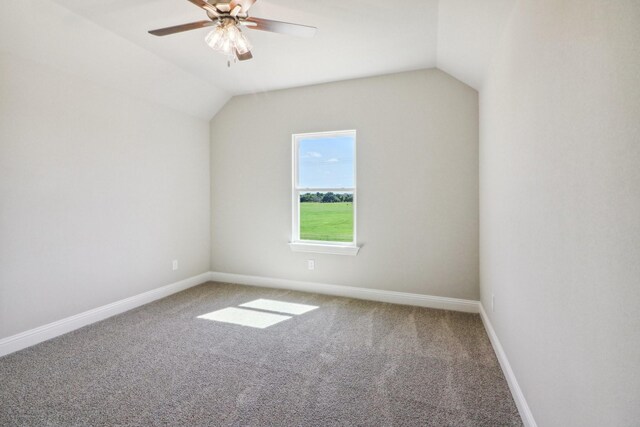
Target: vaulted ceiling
355, 38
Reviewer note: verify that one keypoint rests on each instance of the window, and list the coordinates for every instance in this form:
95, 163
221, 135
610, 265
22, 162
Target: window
324, 192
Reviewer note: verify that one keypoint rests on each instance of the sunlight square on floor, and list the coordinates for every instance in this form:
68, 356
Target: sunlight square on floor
239, 316
279, 306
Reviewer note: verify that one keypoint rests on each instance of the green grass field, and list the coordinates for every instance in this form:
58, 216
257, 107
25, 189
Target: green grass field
326, 221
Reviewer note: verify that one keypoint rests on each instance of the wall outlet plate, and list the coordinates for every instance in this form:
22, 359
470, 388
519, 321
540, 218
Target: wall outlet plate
175, 264
311, 264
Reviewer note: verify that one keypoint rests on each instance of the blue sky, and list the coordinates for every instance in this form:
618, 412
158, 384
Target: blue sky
326, 162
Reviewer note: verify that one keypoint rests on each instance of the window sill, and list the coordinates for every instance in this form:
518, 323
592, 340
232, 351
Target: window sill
320, 248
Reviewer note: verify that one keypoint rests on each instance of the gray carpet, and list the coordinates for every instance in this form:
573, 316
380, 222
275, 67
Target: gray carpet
347, 363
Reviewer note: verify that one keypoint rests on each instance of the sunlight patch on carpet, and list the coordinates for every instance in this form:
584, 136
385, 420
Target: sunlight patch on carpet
239, 316
279, 306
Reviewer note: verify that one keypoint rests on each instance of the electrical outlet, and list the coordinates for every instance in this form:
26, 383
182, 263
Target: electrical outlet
493, 302
175, 264
311, 264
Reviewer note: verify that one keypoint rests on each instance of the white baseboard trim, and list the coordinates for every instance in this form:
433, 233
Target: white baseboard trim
516, 391
46, 332
420, 300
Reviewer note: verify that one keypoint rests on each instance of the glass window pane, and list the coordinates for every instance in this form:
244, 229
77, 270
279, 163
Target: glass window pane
326, 216
326, 162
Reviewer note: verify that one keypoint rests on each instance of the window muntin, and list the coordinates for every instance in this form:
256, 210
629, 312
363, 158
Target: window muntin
324, 188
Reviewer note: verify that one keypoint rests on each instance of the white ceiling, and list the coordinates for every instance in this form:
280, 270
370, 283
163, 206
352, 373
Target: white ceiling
355, 38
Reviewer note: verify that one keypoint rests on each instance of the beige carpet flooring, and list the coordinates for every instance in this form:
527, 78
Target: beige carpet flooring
346, 363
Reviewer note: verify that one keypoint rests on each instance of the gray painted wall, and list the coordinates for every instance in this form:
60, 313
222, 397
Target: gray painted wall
560, 208
417, 145
99, 192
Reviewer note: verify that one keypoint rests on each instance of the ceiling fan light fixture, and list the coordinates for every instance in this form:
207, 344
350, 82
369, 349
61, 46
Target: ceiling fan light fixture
215, 38
227, 38
242, 45
226, 18
233, 32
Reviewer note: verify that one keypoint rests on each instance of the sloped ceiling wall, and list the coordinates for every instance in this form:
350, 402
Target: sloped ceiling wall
45, 33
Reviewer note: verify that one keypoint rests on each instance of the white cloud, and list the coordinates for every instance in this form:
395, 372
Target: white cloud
333, 160
313, 154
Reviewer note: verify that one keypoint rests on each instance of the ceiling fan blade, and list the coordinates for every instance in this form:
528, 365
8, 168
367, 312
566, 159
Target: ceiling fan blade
244, 56
181, 28
206, 6
281, 27
245, 4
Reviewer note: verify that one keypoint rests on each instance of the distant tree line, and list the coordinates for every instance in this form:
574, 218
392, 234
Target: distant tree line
326, 197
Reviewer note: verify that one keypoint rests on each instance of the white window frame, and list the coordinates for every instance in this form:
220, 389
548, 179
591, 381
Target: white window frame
317, 246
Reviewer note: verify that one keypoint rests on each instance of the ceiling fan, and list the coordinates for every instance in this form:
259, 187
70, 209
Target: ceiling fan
227, 17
